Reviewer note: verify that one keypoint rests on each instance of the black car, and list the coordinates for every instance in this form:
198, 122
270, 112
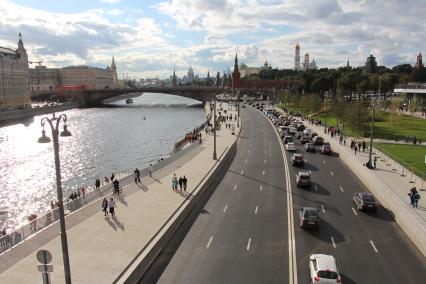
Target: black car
309, 218
309, 147
325, 149
297, 160
365, 201
318, 140
288, 139
305, 139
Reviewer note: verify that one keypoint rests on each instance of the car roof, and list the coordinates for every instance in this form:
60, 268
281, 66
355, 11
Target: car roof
303, 173
364, 194
298, 154
325, 262
310, 209
290, 143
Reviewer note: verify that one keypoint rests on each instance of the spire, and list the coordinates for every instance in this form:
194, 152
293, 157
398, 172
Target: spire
236, 63
174, 79
347, 63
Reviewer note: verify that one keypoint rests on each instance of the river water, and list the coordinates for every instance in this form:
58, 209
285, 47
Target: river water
116, 138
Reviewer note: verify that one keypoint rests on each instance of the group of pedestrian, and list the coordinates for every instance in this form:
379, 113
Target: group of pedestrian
191, 137
182, 182
414, 197
108, 206
357, 147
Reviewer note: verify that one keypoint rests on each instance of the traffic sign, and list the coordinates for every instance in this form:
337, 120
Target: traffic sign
44, 256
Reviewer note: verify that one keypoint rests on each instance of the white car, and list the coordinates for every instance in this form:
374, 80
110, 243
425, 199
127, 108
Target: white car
323, 269
307, 131
290, 146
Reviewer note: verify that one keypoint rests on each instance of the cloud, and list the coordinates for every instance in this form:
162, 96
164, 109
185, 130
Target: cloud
111, 1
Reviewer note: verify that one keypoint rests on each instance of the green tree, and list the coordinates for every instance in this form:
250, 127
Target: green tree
358, 118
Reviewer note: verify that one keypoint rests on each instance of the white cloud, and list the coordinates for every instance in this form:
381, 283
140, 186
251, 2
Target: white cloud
111, 1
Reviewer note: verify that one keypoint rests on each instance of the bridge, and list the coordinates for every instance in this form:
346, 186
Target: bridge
93, 97
411, 88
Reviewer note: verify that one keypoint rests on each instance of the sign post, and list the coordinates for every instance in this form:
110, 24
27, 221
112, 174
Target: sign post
45, 257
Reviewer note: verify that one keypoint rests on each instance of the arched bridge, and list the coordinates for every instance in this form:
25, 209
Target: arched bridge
93, 97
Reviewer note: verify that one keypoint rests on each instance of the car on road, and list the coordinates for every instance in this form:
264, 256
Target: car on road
318, 140
287, 139
298, 160
309, 147
300, 127
365, 201
303, 179
323, 269
307, 131
291, 147
326, 149
292, 130
298, 135
305, 139
309, 218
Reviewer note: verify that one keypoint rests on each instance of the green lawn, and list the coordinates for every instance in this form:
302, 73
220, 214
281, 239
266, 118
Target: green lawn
411, 155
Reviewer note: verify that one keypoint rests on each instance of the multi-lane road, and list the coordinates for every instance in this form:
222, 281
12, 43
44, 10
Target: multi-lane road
247, 231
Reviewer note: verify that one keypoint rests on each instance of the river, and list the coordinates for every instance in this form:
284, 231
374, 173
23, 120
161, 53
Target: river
115, 138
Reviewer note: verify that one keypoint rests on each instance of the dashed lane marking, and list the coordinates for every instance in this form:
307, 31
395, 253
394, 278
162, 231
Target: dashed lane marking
353, 210
255, 210
248, 244
235, 187
333, 242
263, 173
210, 241
322, 208
323, 162
310, 172
224, 209
265, 161
261, 187
341, 189
332, 173
316, 188
245, 161
242, 171
374, 247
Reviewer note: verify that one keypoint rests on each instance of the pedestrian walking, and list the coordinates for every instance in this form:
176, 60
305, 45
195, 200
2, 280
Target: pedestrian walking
174, 182
180, 183
112, 177
116, 186
363, 146
184, 182
375, 161
356, 148
150, 170
416, 199
411, 194
137, 175
97, 183
105, 207
112, 206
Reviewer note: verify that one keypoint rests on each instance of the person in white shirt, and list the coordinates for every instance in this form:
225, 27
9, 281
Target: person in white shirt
112, 206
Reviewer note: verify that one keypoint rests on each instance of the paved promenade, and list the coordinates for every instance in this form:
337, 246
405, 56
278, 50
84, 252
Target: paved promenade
100, 248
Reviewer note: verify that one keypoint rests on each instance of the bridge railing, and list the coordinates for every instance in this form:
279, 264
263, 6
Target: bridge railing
413, 85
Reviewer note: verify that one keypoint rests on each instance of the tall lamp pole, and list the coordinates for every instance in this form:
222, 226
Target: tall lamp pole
214, 131
54, 125
370, 162
238, 108
325, 124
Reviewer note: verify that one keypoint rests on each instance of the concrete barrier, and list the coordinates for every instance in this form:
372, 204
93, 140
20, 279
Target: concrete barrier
145, 258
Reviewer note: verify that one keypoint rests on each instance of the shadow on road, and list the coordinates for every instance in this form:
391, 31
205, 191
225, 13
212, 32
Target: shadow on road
381, 214
326, 231
346, 279
317, 189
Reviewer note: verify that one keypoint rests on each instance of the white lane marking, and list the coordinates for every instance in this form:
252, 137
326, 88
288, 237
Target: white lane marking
316, 188
255, 210
250, 144
261, 187
210, 241
242, 171
310, 172
249, 151
341, 189
353, 210
265, 152
322, 208
245, 161
323, 162
374, 247
332, 173
235, 187
226, 207
264, 161
263, 173
332, 240
248, 244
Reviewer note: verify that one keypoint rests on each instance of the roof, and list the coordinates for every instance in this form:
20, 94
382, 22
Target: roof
6, 50
325, 261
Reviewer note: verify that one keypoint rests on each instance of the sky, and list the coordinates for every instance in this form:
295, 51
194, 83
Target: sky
152, 38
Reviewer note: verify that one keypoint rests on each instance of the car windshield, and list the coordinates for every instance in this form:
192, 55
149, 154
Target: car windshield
298, 157
310, 214
368, 199
304, 177
327, 274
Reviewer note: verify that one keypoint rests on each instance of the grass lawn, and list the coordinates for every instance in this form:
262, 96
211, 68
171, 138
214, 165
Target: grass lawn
413, 155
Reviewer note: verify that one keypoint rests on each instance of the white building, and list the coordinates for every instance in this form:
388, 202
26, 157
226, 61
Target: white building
14, 77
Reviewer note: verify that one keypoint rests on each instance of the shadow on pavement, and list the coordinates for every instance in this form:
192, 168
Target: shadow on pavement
317, 189
118, 223
310, 167
381, 214
121, 199
258, 180
108, 220
326, 231
346, 279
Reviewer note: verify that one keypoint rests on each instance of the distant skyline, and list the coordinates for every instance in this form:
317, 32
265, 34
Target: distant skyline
153, 38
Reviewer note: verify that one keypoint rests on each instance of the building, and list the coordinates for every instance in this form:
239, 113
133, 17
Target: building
87, 76
43, 78
114, 73
309, 65
236, 75
14, 78
370, 64
297, 57
419, 62
174, 79
191, 76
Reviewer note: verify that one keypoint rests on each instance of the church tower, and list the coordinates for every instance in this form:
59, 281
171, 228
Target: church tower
236, 75
419, 62
174, 80
22, 51
114, 73
297, 57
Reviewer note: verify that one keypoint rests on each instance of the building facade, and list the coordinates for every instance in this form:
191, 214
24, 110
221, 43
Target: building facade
43, 78
297, 57
14, 80
419, 62
236, 75
191, 76
370, 64
87, 76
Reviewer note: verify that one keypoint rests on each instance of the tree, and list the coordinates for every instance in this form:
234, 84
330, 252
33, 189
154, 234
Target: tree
403, 69
394, 106
358, 117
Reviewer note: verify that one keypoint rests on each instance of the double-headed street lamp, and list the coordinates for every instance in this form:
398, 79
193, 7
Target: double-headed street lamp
54, 125
238, 108
370, 161
214, 131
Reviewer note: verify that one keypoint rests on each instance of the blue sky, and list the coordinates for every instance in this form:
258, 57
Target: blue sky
151, 38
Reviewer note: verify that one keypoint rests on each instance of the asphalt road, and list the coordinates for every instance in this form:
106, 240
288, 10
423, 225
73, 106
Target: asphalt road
240, 233
369, 248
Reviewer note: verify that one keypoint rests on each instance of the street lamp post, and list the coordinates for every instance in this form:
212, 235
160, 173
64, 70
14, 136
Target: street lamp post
370, 162
54, 125
325, 124
238, 108
214, 131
